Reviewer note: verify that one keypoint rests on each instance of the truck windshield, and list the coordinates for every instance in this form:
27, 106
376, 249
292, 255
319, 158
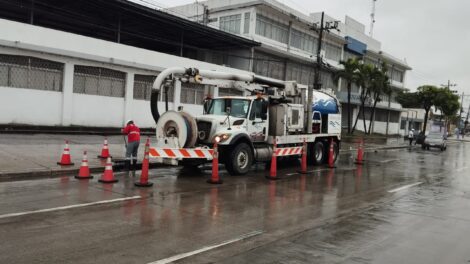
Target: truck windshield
238, 107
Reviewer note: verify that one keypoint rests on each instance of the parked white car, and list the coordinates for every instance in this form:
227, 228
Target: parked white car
435, 140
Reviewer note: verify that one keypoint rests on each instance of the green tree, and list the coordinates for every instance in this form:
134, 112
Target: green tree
449, 105
425, 97
380, 85
349, 74
364, 80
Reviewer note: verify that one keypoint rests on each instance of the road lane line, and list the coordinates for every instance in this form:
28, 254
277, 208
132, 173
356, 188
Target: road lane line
192, 253
69, 207
404, 187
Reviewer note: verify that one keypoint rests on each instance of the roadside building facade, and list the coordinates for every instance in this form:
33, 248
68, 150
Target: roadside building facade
93, 64
288, 49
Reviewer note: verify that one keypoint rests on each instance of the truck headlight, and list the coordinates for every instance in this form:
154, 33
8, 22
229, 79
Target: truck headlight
222, 137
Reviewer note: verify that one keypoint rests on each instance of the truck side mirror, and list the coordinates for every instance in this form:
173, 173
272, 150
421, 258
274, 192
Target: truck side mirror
264, 110
206, 105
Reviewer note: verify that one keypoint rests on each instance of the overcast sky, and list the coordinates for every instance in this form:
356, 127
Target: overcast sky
432, 35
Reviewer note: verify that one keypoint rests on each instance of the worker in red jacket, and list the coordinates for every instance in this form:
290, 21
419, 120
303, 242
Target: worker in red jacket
133, 141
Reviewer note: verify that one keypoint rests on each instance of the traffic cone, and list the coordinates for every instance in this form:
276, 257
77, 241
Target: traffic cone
108, 175
331, 159
215, 179
84, 172
66, 160
273, 170
105, 150
144, 176
360, 153
303, 165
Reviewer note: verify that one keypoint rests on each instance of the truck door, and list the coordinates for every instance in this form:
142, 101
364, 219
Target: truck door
258, 120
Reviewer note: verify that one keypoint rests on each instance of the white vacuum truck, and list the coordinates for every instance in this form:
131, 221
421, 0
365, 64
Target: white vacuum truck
246, 127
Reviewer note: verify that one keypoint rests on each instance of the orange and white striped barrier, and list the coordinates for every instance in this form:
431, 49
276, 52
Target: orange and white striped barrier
185, 153
288, 151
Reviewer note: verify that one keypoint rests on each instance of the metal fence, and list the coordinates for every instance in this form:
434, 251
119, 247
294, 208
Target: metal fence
29, 72
99, 81
143, 88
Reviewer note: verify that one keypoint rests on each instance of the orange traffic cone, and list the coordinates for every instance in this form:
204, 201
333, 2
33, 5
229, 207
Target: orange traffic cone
215, 179
303, 166
84, 172
105, 150
144, 176
108, 175
360, 153
273, 169
331, 159
66, 160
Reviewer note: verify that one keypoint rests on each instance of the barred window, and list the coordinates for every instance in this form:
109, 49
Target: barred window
231, 23
268, 66
246, 24
271, 29
192, 93
29, 72
143, 86
230, 92
303, 41
99, 81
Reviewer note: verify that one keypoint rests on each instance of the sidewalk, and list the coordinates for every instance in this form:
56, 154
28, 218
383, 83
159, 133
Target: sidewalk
36, 155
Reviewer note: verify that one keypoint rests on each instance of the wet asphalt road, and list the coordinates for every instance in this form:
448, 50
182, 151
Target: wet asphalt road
402, 206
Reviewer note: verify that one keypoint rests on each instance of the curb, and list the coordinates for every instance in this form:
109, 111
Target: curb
374, 149
55, 173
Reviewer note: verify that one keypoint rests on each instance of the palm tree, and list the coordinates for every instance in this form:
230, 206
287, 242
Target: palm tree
380, 85
364, 80
349, 73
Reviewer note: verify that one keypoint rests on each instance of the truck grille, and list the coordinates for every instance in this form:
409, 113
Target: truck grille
204, 130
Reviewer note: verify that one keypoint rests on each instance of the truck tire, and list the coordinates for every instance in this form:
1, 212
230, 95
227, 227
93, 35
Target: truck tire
318, 156
239, 159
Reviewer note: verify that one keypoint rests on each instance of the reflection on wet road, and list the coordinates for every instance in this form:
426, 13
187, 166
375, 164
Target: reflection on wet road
407, 206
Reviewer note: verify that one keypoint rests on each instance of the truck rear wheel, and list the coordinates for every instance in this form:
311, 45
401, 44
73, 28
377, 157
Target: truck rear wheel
318, 153
239, 160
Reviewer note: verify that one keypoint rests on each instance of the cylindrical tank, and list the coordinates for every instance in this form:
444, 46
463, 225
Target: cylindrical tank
324, 103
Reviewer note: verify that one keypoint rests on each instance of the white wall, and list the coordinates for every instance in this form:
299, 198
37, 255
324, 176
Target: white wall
97, 111
27, 106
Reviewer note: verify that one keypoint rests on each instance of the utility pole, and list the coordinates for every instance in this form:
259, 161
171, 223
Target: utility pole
372, 19
461, 109
448, 85
319, 28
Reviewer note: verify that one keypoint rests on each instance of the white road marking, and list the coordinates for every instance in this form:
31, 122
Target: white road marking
461, 169
404, 187
188, 254
290, 174
69, 207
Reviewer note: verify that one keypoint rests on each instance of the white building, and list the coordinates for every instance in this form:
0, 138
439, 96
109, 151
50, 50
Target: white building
52, 77
289, 46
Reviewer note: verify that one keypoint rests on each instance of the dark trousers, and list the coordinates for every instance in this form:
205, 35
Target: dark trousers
411, 140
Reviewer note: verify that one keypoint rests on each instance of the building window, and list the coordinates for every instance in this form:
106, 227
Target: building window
332, 52
246, 23
230, 23
192, 93
99, 81
269, 66
31, 73
143, 86
269, 28
229, 92
397, 75
327, 81
303, 41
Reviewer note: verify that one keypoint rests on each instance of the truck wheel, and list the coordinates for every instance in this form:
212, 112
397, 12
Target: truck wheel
239, 160
318, 153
